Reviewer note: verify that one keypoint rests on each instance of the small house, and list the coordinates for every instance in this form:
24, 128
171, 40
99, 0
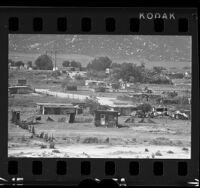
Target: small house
105, 118
20, 89
57, 109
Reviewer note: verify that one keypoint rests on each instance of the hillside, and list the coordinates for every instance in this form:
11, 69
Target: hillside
118, 48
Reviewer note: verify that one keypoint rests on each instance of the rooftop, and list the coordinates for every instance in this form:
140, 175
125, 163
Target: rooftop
27, 86
103, 111
55, 104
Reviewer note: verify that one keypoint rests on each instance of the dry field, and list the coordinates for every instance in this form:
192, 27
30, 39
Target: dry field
164, 138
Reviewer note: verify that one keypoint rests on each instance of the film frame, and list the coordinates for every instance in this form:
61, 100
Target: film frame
18, 171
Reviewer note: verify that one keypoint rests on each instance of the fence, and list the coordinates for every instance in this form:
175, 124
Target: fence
61, 95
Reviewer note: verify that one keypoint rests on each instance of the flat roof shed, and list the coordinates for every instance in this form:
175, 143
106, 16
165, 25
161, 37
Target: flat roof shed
56, 108
20, 89
106, 118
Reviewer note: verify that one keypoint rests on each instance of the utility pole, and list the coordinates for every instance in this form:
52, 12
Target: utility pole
55, 59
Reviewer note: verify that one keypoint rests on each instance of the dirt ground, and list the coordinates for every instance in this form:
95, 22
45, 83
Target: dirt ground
161, 139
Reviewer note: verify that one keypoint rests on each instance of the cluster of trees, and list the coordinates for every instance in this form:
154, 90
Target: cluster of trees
43, 62
19, 63
15, 63
133, 73
99, 64
71, 64
128, 72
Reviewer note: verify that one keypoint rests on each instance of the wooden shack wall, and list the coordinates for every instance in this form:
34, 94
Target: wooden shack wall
107, 120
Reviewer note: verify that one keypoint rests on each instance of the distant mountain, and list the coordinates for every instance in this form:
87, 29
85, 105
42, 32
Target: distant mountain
117, 47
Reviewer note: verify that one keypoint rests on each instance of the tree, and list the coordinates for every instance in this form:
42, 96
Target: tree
66, 63
92, 104
145, 108
115, 65
132, 79
99, 64
75, 64
116, 85
126, 71
29, 64
19, 63
44, 62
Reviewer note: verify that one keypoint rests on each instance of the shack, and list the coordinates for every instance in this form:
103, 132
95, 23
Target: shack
124, 110
22, 82
57, 109
105, 118
20, 89
15, 116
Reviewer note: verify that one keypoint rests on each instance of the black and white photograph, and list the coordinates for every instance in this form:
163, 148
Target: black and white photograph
99, 96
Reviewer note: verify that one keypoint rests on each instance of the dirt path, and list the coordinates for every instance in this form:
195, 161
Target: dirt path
102, 151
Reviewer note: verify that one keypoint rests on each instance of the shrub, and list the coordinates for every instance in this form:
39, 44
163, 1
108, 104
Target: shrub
158, 153
56, 151
42, 146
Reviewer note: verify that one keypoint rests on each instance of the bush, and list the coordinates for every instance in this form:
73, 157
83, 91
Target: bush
56, 73
42, 146
19, 63
69, 85
44, 62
